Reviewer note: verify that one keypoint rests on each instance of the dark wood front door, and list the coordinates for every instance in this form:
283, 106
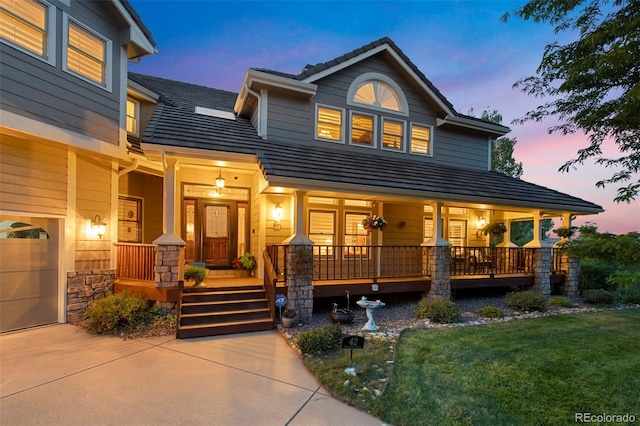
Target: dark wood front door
216, 241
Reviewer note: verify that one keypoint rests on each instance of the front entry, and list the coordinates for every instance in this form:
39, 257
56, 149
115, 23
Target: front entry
215, 231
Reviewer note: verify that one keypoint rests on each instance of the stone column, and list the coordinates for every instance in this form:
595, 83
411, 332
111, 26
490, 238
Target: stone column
542, 260
440, 261
571, 268
169, 268
300, 280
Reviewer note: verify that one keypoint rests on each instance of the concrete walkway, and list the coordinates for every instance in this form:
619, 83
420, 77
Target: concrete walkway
60, 375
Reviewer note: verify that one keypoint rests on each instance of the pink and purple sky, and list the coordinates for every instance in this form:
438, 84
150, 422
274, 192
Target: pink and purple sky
463, 47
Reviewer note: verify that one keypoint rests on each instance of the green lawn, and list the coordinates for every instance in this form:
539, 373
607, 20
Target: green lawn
539, 371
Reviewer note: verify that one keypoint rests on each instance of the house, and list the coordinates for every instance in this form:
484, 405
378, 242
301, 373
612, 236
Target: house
62, 141
287, 169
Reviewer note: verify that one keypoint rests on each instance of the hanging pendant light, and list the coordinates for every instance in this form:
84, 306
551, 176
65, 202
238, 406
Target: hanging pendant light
220, 180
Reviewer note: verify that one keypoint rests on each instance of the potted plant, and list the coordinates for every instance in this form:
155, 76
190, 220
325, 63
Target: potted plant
288, 319
246, 262
197, 274
494, 229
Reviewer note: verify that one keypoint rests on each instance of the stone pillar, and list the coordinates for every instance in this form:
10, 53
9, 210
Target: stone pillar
300, 280
169, 267
439, 263
83, 287
542, 260
571, 268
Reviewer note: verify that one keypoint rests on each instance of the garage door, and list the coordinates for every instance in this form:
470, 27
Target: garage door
28, 271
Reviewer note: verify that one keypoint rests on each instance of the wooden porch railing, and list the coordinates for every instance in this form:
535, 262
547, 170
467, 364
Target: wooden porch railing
270, 279
491, 260
135, 261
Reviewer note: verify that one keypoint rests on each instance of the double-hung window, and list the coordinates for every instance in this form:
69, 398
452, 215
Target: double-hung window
393, 135
26, 24
133, 111
322, 231
329, 123
87, 54
355, 235
362, 129
420, 139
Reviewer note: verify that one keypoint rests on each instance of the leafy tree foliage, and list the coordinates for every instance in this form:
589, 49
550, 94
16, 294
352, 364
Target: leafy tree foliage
621, 251
594, 82
502, 149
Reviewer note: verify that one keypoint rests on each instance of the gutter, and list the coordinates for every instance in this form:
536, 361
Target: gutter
129, 169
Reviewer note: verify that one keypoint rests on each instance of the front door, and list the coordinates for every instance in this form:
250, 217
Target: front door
216, 247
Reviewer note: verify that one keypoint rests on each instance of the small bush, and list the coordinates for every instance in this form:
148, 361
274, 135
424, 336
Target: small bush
594, 274
320, 339
526, 301
443, 311
195, 273
121, 312
599, 297
561, 302
490, 312
630, 296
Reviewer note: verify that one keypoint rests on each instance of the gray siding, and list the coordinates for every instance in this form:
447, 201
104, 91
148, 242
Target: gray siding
33, 177
292, 120
35, 89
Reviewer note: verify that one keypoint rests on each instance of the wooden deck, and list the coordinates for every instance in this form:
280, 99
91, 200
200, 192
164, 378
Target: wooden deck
362, 287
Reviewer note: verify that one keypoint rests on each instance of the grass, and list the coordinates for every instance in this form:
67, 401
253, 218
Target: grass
533, 372
539, 371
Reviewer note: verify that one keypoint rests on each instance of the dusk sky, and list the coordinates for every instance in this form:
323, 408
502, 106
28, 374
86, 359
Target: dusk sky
463, 47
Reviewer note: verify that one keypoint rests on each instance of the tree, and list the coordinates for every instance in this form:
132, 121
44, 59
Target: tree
502, 149
594, 82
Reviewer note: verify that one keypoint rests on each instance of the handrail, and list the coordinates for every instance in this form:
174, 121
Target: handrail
270, 279
491, 260
135, 261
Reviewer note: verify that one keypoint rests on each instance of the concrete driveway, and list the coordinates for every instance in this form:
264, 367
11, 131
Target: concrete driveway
60, 375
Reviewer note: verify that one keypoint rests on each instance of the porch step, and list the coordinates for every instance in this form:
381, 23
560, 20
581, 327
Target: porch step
215, 311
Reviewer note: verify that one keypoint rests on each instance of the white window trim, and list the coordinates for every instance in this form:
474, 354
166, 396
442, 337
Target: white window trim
51, 37
374, 142
108, 47
404, 135
315, 121
386, 80
431, 139
136, 132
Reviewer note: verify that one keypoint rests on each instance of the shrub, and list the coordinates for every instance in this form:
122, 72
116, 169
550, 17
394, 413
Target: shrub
599, 297
594, 274
121, 312
490, 312
443, 311
320, 339
526, 301
560, 302
630, 295
195, 273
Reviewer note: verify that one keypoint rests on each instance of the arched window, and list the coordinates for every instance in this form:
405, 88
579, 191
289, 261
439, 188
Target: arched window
377, 91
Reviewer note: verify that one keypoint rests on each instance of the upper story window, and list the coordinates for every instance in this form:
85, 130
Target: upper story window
362, 130
377, 91
133, 112
393, 135
87, 54
329, 123
420, 139
27, 24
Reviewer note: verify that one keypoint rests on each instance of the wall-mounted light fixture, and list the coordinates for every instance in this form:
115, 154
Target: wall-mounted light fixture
98, 226
220, 180
278, 212
480, 223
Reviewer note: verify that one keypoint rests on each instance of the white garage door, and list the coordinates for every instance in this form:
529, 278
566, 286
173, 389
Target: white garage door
28, 271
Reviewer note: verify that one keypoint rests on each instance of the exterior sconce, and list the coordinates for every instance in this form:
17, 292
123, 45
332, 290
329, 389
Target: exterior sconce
220, 181
98, 226
480, 223
277, 214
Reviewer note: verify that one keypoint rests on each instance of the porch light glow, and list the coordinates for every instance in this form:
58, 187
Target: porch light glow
480, 221
98, 226
220, 180
278, 211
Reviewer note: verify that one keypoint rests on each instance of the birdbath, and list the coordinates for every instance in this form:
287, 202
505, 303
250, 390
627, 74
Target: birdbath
369, 306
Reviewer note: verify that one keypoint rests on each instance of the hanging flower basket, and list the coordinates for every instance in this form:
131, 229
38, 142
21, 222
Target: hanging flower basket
495, 229
374, 222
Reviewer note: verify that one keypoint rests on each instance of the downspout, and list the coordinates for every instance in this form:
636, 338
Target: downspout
129, 169
259, 100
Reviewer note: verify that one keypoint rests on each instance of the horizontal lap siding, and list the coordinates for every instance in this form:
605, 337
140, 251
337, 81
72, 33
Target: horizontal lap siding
408, 235
33, 177
457, 150
93, 197
149, 188
289, 118
40, 91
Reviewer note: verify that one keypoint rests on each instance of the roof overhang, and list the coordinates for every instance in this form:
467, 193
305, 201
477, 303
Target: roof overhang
141, 92
255, 81
388, 49
493, 129
138, 43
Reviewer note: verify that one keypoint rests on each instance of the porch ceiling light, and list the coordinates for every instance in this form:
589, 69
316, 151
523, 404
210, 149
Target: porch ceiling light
98, 226
220, 180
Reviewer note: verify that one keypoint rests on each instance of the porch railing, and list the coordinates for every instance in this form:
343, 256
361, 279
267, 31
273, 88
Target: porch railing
491, 260
135, 261
270, 279
359, 262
